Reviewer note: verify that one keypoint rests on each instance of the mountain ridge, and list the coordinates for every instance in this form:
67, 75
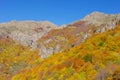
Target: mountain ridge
77, 32
37, 34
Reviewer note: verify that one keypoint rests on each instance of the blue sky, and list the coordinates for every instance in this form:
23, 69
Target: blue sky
57, 11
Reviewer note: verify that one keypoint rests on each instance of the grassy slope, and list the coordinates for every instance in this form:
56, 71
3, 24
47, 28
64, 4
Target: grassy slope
91, 60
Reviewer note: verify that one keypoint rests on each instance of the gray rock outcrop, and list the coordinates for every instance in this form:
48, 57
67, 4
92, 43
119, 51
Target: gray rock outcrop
26, 32
103, 22
47, 51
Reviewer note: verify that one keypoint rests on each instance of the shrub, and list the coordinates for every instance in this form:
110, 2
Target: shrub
88, 58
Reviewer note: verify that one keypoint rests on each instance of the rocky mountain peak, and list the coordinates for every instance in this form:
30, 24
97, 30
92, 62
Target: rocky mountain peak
98, 18
95, 15
77, 32
26, 32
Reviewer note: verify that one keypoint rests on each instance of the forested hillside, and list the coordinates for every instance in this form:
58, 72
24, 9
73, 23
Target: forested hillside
97, 58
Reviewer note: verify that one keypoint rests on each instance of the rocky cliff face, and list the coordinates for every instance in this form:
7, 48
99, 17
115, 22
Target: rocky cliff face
26, 32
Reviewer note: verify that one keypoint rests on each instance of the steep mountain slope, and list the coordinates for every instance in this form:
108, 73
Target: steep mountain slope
26, 32
50, 39
73, 34
88, 49
98, 58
